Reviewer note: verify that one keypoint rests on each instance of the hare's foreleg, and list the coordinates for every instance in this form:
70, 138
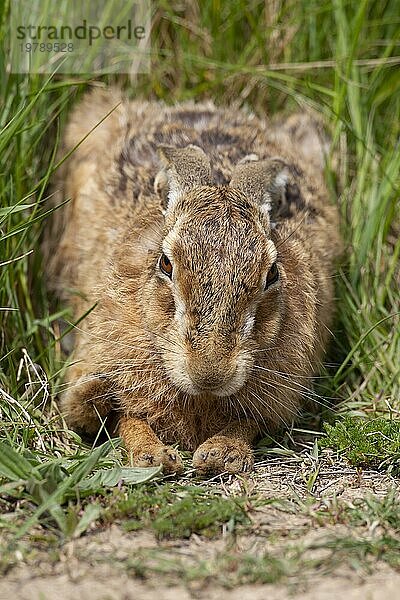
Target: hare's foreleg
87, 400
230, 450
145, 448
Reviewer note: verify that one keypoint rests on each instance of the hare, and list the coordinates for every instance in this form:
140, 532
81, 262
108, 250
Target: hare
202, 245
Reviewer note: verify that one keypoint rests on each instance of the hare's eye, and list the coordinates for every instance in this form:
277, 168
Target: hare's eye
272, 276
165, 265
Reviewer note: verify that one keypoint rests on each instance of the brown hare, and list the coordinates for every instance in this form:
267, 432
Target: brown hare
204, 242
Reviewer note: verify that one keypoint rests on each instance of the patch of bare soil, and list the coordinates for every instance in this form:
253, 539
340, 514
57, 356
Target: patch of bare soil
102, 585
111, 564
79, 576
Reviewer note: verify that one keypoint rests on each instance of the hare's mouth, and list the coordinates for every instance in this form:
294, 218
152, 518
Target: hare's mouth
208, 379
219, 389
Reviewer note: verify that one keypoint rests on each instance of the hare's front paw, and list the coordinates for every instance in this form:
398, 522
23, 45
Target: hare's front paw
160, 455
223, 453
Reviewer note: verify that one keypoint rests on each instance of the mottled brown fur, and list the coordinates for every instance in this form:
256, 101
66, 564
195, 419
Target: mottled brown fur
136, 344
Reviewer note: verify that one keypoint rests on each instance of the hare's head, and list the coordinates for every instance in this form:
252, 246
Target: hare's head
216, 284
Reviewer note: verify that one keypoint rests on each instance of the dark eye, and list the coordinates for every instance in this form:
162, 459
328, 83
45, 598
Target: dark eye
273, 276
165, 265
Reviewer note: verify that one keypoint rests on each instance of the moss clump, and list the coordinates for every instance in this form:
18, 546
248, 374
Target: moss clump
363, 442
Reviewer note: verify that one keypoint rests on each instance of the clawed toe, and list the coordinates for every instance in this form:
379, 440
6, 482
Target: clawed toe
222, 454
165, 456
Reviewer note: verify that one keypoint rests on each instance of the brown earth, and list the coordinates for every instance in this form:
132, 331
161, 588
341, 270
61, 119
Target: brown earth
110, 564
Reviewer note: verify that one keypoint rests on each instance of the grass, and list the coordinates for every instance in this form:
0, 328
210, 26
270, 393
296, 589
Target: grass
177, 512
228, 569
339, 58
50, 485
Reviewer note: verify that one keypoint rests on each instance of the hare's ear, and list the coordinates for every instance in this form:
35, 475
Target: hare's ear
183, 170
264, 181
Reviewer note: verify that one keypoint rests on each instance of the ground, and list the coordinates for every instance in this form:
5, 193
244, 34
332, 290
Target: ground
308, 519
76, 579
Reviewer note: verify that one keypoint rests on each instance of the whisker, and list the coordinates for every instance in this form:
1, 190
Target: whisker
286, 377
296, 390
107, 340
269, 407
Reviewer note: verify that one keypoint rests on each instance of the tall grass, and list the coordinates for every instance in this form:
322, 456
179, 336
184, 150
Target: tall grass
339, 58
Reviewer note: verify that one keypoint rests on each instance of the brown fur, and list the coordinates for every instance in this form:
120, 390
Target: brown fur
182, 361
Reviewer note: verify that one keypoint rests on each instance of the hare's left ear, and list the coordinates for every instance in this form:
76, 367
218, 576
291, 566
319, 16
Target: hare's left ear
263, 181
183, 169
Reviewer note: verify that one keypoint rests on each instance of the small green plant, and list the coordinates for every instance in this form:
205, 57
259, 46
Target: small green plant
52, 484
364, 442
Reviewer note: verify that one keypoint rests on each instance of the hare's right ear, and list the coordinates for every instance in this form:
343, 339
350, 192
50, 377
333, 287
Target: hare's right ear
183, 170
